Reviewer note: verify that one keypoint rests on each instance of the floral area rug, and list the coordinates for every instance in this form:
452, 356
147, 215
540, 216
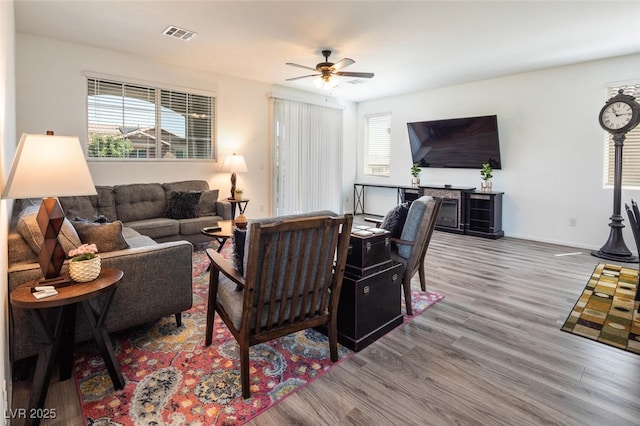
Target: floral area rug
172, 378
606, 311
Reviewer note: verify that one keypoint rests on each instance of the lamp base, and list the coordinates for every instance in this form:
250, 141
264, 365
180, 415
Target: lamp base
63, 280
50, 218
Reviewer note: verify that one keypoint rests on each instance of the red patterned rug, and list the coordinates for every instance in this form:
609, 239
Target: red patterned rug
173, 379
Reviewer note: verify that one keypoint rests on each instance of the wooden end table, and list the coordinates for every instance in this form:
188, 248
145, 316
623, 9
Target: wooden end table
59, 336
221, 236
242, 205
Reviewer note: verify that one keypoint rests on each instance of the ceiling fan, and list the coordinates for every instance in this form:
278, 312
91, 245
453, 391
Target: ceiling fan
327, 70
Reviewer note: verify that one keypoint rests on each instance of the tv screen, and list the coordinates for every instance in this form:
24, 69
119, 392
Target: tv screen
464, 143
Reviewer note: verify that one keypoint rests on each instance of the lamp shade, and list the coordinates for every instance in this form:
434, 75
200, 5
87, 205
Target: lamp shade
48, 166
234, 164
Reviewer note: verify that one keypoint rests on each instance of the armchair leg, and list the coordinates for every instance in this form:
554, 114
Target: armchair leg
423, 284
406, 285
332, 329
244, 371
179, 319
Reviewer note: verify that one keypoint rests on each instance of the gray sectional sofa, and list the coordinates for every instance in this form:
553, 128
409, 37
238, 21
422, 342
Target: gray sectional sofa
142, 207
155, 252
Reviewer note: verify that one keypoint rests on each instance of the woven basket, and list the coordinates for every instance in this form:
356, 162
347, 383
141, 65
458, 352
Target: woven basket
85, 270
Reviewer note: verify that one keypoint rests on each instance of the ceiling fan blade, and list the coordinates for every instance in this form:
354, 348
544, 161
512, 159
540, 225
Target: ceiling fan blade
300, 66
342, 63
304, 76
354, 74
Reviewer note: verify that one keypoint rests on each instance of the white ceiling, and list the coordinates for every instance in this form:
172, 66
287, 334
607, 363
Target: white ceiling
409, 46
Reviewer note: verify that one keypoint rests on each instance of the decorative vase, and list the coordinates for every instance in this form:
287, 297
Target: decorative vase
84, 270
485, 185
241, 221
415, 182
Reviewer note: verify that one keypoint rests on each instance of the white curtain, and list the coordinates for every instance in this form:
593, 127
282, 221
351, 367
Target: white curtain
307, 157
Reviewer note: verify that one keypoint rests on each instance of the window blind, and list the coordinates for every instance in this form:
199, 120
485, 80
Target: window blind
631, 149
307, 146
131, 121
377, 145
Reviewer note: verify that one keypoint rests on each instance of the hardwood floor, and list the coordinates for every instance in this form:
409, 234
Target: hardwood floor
490, 353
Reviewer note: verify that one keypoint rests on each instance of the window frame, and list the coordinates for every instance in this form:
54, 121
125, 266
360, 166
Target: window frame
158, 90
367, 164
631, 149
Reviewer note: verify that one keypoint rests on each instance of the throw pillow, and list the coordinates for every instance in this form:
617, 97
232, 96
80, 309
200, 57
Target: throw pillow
183, 205
207, 204
394, 220
106, 236
30, 230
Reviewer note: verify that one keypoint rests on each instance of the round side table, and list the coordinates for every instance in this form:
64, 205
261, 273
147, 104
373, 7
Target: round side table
59, 335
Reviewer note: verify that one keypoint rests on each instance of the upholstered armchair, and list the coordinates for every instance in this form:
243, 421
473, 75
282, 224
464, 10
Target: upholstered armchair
414, 231
291, 281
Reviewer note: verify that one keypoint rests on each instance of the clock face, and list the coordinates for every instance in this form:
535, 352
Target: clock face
616, 115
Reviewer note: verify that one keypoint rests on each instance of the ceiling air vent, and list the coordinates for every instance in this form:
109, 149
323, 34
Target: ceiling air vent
179, 33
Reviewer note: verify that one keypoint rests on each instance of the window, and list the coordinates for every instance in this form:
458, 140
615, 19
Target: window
132, 121
377, 145
631, 149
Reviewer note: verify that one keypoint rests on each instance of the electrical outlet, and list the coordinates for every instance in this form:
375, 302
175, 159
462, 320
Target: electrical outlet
573, 221
261, 207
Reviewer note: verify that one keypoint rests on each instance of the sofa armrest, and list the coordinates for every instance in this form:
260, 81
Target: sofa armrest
223, 208
156, 283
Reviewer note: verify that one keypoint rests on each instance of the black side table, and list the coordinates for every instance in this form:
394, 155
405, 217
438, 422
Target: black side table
59, 335
242, 206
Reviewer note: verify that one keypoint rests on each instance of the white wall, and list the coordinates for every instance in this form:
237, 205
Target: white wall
551, 148
7, 148
52, 93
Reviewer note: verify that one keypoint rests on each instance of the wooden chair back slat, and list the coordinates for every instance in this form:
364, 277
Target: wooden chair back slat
294, 267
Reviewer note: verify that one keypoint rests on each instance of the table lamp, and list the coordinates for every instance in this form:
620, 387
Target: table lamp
47, 167
234, 164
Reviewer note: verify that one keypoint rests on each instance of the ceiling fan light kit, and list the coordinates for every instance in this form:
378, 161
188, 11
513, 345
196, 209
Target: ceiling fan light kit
328, 71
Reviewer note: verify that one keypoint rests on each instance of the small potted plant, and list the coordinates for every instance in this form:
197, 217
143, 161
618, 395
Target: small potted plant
415, 172
238, 194
486, 173
85, 263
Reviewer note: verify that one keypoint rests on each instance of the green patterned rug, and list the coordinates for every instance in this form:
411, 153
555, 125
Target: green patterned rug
606, 311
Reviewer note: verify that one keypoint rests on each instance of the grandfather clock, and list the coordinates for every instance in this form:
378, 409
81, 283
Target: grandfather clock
618, 116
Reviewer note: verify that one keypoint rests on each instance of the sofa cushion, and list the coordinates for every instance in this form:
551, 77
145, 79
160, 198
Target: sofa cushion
182, 205
106, 202
139, 201
195, 225
79, 206
207, 204
106, 236
30, 230
156, 228
186, 186
91, 206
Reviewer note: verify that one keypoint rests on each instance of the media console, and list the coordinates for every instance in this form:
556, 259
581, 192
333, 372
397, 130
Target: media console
463, 211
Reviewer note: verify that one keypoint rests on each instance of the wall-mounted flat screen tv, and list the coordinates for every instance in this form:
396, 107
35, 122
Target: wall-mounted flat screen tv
464, 143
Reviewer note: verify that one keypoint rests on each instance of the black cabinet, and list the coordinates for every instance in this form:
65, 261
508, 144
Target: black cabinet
484, 214
369, 307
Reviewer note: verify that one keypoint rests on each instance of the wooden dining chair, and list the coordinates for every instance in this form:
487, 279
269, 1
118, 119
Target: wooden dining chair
291, 282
